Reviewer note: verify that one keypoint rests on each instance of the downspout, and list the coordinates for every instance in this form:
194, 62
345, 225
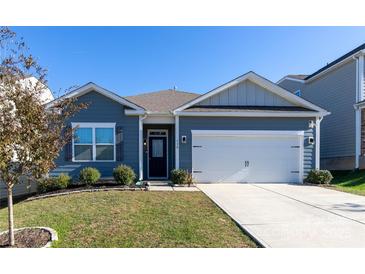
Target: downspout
140, 145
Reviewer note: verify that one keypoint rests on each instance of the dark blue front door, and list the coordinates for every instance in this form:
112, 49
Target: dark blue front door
157, 157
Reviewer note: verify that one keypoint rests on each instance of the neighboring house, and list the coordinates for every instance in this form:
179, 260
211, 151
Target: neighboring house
25, 187
247, 130
338, 87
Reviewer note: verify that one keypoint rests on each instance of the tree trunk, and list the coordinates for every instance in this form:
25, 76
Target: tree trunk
11, 216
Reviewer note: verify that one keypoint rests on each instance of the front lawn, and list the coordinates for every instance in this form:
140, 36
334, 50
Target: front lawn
349, 181
131, 219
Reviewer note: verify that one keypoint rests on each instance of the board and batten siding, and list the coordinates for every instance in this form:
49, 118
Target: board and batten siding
246, 93
103, 110
243, 123
335, 91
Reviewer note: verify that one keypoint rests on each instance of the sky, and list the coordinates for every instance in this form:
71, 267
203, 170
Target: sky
132, 60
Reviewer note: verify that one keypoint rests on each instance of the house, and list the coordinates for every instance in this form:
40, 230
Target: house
25, 187
246, 130
338, 87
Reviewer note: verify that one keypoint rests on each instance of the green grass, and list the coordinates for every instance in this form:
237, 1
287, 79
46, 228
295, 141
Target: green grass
349, 181
131, 219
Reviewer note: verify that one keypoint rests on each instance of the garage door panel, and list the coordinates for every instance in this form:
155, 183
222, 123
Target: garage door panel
246, 158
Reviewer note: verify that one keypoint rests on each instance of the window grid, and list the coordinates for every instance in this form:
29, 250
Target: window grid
94, 144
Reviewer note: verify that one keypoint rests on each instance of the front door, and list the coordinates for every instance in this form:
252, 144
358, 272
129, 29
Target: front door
157, 157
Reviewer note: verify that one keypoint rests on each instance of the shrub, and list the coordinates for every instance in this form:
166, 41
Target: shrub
319, 177
180, 176
124, 175
54, 183
89, 175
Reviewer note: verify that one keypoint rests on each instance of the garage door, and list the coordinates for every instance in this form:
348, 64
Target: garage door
247, 156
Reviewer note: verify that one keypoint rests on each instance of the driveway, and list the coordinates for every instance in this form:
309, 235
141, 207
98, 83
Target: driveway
284, 215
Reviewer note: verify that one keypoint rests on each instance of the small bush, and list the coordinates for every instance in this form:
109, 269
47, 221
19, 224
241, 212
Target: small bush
89, 175
54, 183
124, 175
180, 177
319, 177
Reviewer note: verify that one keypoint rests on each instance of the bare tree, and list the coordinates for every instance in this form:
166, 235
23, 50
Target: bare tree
31, 136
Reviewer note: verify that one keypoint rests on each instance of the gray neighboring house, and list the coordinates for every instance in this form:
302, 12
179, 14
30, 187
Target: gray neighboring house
338, 87
25, 187
247, 130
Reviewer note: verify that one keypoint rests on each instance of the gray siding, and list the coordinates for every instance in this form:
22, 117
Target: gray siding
335, 92
246, 93
104, 110
24, 187
292, 86
222, 123
171, 146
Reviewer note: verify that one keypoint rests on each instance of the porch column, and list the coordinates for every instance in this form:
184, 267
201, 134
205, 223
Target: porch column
140, 147
177, 143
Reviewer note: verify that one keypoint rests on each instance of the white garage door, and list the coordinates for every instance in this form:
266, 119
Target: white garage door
247, 156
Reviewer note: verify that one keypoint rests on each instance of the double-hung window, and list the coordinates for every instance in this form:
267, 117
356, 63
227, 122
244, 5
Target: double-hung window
93, 142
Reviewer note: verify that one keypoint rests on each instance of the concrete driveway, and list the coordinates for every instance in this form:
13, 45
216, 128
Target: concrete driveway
284, 215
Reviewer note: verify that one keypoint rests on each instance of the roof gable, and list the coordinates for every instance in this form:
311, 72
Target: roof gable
245, 93
266, 87
89, 87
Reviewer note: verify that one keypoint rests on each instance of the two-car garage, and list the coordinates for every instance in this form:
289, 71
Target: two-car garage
247, 156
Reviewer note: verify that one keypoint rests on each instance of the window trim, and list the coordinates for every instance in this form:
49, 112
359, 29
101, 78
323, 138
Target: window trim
93, 126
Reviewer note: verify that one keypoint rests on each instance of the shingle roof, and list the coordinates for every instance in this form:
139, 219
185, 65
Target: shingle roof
297, 76
361, 47
244, 108
163, 100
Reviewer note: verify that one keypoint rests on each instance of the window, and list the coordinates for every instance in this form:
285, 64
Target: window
298, 93
94, 142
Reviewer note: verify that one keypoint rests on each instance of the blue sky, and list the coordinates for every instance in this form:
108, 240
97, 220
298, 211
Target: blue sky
130, 60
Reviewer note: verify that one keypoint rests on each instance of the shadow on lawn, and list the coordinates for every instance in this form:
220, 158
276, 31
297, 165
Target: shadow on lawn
348, 178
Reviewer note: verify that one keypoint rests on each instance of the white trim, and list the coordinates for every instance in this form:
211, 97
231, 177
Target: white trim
301, 158
357, 137
93, 87
348, 59
140, 146
246, 132
259, 80
289, 78
93, 126
361, 78
132, 112
159, 120
253, 114
167, 151
317, 144
357, 98
177, 142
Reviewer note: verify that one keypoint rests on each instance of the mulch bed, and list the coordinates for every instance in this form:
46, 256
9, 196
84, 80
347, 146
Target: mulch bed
28, 237
84, 188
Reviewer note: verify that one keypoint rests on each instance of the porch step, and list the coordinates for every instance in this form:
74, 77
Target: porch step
158, 183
